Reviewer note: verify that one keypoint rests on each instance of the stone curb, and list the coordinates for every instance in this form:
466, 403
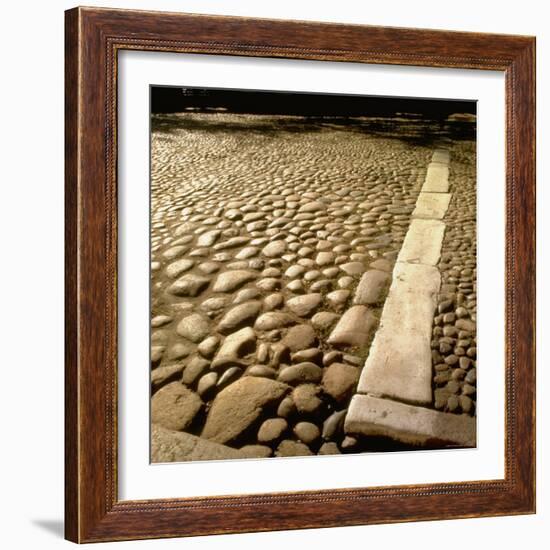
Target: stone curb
399, 365
423, 241
408, 424
432, 205
437, 178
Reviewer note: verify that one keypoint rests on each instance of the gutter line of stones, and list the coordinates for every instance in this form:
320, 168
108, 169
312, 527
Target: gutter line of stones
395, 386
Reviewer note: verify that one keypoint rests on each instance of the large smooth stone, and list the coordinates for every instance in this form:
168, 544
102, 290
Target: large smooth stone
174, 446
305, 305
300, 337
240, 406
232, 280
339, 381
372, 287
180, 266
189, 285
175, 407
272, 320
354, 328
292, 448
208, 238
234, 348
239, 316
274, 249
301, 373
194, 327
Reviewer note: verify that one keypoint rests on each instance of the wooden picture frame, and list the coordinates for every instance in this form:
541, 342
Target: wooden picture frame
93, 39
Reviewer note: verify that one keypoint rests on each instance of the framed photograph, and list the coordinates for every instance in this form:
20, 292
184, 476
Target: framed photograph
289, 246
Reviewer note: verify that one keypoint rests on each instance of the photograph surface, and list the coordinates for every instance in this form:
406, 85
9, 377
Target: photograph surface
313, 274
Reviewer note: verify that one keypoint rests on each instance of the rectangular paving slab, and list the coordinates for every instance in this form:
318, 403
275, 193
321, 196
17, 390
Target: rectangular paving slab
437, 178
372, 416
441, 155
432, 205
399, 365
422, 244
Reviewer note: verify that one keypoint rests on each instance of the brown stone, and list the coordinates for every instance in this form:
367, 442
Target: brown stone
240, 406
175, 407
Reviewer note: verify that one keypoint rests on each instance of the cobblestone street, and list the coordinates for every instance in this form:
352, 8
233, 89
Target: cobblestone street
273, 242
